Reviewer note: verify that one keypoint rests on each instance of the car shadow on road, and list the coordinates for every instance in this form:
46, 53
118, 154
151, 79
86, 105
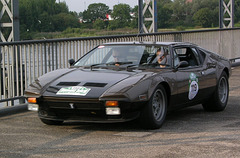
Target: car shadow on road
175, 117
191, 119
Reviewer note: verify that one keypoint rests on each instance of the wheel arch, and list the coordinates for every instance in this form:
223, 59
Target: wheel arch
227, 71
167, 89
151, 117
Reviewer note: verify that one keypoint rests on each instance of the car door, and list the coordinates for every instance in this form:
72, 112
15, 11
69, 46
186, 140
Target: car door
209, 67
189, 79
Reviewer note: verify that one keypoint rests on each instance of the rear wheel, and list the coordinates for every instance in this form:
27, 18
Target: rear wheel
218, 101
154, 113
51, 122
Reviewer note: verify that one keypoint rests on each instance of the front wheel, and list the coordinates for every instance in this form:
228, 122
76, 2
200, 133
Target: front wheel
219, 100
154, 113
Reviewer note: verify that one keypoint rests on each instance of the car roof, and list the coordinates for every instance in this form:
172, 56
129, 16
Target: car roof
151, 43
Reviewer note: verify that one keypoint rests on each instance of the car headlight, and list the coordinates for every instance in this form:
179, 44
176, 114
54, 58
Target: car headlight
112, 108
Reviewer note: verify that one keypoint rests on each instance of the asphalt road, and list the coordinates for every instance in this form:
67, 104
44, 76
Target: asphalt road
190, 132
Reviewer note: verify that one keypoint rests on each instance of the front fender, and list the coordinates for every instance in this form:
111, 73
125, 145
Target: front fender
134, 89
36, 88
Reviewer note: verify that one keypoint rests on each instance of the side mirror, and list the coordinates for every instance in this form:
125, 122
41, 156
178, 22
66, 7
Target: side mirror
71, 61
183, 64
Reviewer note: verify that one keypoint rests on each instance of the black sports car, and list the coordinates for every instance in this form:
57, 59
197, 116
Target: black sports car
118, 82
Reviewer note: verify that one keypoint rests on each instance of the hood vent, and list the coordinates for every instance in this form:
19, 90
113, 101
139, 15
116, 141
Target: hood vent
52, 89
68, 83
92, 84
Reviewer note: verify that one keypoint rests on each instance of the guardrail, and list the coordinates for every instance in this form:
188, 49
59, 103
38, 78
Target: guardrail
235, 62
23, 62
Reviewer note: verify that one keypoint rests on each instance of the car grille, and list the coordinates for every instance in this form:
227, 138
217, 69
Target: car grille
71, 105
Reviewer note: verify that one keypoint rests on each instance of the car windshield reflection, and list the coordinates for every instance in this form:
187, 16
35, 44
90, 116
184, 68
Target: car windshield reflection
126, 55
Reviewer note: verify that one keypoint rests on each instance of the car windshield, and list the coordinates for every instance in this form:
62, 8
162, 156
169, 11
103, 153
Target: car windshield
134, 55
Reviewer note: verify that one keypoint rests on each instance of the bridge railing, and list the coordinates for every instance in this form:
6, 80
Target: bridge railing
24, 61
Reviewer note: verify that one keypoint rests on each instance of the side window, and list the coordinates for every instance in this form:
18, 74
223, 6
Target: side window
176, 59
198, 57
187, 54
158, 56
202, 56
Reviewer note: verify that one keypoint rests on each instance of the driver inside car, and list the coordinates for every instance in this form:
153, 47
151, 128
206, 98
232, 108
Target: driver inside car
161, 58
118, 56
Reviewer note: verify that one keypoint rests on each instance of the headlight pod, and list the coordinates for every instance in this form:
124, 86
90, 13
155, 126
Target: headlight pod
112, 108
32, 104
111, 103
32, 100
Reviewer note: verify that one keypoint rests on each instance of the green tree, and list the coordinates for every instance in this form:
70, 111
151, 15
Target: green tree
99, 24
61, 8
182, 12
63, 20
95, 11
212, 5
114, 24
164, 13
45, 16
203, 17
237, 11
179, 12
45, 23
134, 20
121, 14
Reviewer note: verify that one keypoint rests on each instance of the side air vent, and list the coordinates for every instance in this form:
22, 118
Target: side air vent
68, 83
92, 84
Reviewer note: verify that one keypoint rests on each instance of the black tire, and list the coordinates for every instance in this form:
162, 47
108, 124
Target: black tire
154, 113
51, 122
218, 101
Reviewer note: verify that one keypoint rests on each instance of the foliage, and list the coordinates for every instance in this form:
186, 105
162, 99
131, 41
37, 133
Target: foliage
121, 14
95, 11
134, 19
99, 24
164, 13
203, 18
237, 11
44, 16
50, 16
237, 24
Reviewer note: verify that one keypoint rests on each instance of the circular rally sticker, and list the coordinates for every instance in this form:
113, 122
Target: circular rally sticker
193, 86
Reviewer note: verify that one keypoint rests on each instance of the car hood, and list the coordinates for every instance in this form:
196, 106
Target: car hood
95, 83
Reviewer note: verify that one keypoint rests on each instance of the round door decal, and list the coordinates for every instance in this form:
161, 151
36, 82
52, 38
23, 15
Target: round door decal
193, 86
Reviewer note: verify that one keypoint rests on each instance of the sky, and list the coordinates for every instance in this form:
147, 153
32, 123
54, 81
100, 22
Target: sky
81, 5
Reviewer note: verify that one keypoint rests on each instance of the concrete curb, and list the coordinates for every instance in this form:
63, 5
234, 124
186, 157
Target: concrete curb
13, 110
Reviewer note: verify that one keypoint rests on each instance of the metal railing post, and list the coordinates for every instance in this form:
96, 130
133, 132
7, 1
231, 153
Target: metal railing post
1, 75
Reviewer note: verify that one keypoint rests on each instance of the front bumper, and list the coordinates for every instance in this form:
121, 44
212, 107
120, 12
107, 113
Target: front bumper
87, 110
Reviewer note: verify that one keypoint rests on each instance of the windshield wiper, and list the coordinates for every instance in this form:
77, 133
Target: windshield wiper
132, 65
154, 64
91, 66
119, 63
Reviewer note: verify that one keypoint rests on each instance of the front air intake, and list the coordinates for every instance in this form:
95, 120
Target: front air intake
92, 84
